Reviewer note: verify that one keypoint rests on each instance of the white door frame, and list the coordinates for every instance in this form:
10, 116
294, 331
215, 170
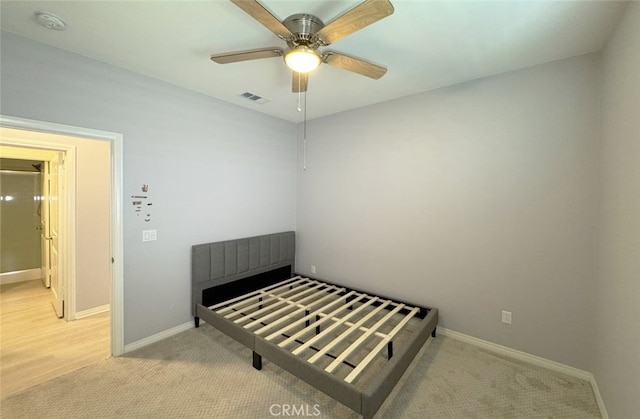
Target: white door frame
117, 247
19, 147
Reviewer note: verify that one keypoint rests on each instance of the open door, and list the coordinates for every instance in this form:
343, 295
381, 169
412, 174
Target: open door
44, 224
53, 173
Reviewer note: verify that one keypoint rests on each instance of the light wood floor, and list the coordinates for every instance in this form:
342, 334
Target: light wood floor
36, 346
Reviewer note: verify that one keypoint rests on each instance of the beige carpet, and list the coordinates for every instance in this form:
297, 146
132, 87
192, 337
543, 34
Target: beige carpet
202, 373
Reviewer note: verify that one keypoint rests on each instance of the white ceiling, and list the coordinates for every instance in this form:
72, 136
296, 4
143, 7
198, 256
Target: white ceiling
424, 44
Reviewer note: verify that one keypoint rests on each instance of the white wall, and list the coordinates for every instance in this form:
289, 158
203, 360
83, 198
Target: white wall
214, 171
474, 198
616, 363
93, 218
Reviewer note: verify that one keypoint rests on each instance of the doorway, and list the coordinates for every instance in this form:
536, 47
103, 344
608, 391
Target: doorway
30, 219
37, 344
31, 134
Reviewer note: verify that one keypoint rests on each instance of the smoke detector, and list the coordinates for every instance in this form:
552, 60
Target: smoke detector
50, 21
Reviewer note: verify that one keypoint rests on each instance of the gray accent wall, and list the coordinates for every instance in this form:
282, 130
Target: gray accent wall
474, 198
616, 363
215, 171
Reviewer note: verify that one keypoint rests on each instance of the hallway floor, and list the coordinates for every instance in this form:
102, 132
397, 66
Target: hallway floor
36, 346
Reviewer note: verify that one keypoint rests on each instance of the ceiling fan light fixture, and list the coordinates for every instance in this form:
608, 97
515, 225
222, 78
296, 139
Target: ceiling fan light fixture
302, 59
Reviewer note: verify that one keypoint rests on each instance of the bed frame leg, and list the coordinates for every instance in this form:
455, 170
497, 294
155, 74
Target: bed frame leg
433, 333
257, 361
349, 299
390, 349
196, 320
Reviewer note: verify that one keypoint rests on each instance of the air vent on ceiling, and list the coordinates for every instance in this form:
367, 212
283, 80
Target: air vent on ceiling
255, 98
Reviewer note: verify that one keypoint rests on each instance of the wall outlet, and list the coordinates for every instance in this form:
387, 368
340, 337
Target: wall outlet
313, 269
506, 317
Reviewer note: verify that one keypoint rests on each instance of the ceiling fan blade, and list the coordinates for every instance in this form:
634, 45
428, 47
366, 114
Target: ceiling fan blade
300, 82
253, 54
356, 65
262, 15
364, 14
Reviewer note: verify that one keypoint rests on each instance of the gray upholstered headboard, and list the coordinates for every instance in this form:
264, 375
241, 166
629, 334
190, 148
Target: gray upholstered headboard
219, 263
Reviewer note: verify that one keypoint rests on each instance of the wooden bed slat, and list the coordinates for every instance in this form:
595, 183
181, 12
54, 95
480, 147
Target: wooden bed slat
361, 328
291, 315
362, 338
327, 330
310, 315
244, 296
240, 304
300, 304
363, 364
347, 332
277, 299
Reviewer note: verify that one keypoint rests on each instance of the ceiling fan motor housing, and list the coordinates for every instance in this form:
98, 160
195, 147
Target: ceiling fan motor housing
304, 28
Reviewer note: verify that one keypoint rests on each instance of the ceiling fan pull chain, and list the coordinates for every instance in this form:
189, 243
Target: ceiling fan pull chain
299, 95
304, 134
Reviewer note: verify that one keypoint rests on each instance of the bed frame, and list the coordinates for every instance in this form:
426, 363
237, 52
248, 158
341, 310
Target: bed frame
247, 289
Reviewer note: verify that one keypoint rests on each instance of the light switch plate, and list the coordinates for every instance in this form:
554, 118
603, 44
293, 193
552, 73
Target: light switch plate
149, 235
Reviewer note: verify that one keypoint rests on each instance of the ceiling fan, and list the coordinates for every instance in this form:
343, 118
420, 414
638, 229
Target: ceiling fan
305, 33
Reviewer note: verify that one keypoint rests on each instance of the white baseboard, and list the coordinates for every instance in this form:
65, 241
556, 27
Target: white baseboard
157, 337
519, 355
92, 311
596, 391
20, 276
531, 359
